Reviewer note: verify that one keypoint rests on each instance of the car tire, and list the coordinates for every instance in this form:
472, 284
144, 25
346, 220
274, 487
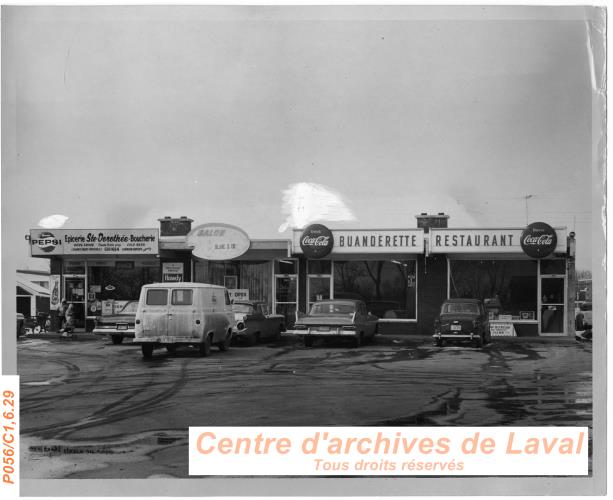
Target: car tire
204, 348
117, 339
478, 342
357, 340
225, 345
438, 342
147, 350
308, 341
171, 349
278, 333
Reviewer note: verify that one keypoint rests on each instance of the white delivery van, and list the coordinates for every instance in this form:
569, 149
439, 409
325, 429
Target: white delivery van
173, 314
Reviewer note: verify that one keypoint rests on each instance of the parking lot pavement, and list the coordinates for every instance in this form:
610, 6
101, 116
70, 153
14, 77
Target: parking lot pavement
133, 414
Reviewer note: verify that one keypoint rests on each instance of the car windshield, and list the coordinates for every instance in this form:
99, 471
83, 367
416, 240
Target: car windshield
241, 308
460, 307
332, 308
130, 308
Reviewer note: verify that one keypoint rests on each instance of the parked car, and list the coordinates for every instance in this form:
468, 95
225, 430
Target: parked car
192, 314
583, 316
462, 320
254, 324
340, 318
118, 326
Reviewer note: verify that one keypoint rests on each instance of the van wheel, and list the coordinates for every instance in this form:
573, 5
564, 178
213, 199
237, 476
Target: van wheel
147, 350
117, 339
205, 346
225, 345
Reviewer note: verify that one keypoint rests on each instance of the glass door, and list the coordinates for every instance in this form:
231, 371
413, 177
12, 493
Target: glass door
286, 297
74, 287
552, 305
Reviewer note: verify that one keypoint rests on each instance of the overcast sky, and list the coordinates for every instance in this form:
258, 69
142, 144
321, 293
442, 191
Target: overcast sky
120, 116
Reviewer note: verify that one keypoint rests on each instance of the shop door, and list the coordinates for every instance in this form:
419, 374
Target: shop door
286, 297
75, 294
318, 288
552, 305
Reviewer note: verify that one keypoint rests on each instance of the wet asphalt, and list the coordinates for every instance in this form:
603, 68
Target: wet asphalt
91, 409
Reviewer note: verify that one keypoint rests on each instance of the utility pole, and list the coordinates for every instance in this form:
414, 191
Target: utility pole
526, 198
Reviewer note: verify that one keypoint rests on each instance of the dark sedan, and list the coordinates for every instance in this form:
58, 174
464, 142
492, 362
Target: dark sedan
336, 318
118, 326
462, 320
255, 324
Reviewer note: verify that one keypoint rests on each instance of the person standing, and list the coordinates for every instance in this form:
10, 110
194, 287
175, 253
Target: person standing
61, 314
69, 321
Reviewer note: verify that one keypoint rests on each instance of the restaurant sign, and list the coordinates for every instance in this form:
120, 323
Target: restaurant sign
349, 241
218, 241
45, 242
444, 240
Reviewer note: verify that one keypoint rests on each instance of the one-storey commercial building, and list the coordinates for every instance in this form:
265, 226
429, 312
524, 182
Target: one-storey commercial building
525, 275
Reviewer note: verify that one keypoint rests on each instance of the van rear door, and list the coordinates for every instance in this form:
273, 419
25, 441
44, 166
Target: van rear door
155, 312
182, 317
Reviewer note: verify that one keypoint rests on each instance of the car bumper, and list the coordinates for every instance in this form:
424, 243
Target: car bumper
113, 331
333, 332
457, 336
166, 340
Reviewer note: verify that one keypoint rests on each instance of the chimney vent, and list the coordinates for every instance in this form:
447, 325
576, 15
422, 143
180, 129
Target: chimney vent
425, 221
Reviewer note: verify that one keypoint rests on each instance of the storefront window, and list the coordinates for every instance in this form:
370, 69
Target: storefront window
254, 276
510, 286
286, 266
320, 267
116, 283
388, 287
554, 266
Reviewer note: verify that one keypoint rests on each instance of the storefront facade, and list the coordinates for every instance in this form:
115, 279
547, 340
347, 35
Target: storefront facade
403, 275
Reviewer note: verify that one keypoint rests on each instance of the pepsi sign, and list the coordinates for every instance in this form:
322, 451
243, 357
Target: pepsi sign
538, 240
45, 241
316, 241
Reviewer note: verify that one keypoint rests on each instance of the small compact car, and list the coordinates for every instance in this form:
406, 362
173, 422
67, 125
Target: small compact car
340, 318
118, 326
462, 320
254, 324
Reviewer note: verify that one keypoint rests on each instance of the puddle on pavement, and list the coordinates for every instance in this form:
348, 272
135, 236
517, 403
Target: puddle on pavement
42, 459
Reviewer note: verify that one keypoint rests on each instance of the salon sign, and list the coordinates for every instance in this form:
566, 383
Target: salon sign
218, 241
485, 240
45, 242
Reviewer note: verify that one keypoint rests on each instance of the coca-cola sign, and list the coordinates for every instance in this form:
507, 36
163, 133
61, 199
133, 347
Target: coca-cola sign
316, 241
538, 240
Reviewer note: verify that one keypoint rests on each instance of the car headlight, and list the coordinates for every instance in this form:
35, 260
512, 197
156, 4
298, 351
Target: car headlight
240, 325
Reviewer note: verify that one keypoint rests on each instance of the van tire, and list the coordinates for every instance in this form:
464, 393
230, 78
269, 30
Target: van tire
147, 350
225, 345
204, 348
